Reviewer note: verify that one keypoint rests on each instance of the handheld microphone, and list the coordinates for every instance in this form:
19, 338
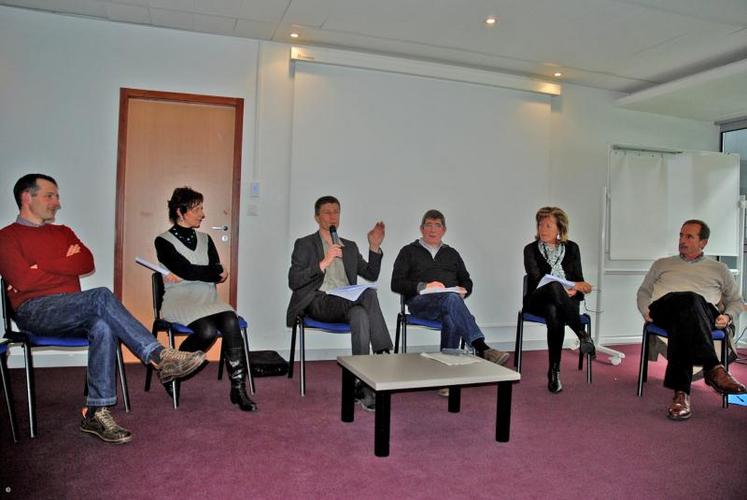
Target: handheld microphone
335, 237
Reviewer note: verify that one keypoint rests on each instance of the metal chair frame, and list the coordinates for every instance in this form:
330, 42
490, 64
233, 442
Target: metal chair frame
29, 341
5, 379
651, 329
522, 316
404, 318
302, 322
173, 329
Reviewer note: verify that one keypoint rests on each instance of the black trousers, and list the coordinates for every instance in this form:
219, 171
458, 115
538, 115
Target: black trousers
367, 324
206, 331
689, 320
553, 303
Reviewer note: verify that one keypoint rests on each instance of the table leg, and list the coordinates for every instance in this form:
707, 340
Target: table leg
503, 413
455, 398
383, 419
348, 383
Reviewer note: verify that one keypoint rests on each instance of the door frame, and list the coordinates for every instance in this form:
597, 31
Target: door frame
125, 94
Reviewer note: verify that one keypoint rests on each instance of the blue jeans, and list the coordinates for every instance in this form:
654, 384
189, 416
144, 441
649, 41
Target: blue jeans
456, 320
98, 314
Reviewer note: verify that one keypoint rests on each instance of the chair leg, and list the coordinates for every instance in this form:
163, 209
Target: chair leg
519, 341
292, 352
580, 360
247, 362
725, 361
404, 335
174, 383
123, 378
302, 341
148, 367
30, 389
396, 335
643, 368
5, 375
589, 358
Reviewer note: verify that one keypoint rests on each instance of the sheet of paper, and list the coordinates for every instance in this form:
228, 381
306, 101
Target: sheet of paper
451, 289
152, 266
451, 359
548, 278
351, 292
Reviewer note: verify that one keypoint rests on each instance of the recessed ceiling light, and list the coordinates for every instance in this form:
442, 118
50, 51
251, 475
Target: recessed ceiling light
557, 74
294, 35
490, 21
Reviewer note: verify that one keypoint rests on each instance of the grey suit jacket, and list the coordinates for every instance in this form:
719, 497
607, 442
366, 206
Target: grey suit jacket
305, 277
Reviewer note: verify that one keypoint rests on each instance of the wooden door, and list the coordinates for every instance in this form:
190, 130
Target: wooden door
169, 140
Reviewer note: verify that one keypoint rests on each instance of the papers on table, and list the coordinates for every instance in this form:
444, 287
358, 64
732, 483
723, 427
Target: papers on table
351, 292
152, 266
548, 278
451, 359
3, 340
451, 289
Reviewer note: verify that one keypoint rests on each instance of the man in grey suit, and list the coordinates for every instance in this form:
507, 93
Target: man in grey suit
323, 262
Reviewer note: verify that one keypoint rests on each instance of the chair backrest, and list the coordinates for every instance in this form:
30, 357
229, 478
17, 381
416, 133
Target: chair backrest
8, 312
402, 303
158, 290
524, 287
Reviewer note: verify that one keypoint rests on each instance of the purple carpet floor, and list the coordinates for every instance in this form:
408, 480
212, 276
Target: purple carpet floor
589, 441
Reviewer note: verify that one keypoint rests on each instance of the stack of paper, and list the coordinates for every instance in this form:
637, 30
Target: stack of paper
350, 292
450, 359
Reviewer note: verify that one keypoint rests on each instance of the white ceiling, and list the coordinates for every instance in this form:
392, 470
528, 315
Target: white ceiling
622, 45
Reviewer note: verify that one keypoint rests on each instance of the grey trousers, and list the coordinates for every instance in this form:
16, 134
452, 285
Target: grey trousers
367, 324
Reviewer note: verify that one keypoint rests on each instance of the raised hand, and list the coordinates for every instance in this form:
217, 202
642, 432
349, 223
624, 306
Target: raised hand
376, 236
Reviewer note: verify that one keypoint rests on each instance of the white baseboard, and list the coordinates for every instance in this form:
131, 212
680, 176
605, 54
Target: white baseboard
51, 358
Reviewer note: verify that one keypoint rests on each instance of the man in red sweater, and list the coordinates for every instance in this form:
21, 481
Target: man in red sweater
41, 264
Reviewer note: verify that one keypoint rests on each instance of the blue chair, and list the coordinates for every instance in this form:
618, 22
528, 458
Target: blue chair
651, 329
404, 319
5, 379
173, 329
31, 341
301, 324
533, 318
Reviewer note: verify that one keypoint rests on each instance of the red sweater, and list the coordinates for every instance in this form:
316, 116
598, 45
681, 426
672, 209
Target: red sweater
46, 247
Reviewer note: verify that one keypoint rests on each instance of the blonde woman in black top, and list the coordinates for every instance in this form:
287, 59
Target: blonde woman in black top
554, 254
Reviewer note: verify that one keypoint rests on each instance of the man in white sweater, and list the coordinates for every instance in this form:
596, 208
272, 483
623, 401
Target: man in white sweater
682, 294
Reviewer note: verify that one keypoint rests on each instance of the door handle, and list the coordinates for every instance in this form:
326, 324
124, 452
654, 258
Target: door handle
219, 228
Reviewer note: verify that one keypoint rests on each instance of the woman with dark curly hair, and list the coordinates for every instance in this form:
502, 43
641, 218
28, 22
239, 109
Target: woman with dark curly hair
554, 254
191, 297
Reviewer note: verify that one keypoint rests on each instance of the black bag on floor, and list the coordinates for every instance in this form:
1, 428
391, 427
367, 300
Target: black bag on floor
267, 364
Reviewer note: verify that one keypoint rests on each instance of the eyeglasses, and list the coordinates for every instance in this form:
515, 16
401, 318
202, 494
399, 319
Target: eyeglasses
433, 225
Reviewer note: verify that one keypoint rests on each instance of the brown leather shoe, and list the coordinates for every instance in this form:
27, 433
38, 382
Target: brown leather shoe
723, 383
680, 407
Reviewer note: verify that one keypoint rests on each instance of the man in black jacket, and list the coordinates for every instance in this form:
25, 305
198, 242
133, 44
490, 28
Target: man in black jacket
424, 271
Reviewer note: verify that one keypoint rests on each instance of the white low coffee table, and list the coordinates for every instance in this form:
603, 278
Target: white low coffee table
386, 374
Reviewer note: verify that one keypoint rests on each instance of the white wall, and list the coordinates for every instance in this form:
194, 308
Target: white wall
59, 83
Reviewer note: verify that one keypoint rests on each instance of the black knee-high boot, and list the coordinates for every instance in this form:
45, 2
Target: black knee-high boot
553, 378
237, 374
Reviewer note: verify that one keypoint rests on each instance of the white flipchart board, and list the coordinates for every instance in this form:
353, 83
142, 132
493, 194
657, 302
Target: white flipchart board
651, 194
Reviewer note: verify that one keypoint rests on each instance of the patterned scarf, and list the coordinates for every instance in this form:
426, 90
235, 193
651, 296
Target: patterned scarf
554, 257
